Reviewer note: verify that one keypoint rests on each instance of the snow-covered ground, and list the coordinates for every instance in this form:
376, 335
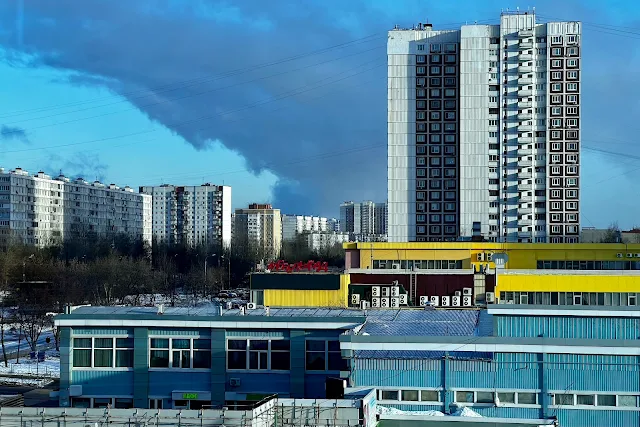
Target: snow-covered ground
31, 372
461, 412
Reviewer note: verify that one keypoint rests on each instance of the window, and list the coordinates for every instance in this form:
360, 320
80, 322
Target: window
527, 398
572, 63
449, 81
449, 93
556, 87
556, 111
434, 69
420, 59
185, 353
606, 400
420, 138
450, 47
435, 48
258, 354
572, 75
493, 99
451, 115
572, 122
572, 99
572, 87
435, 93
484, 397
324, 356
572, 134
420, 115
434, 138
572, 39
572, 51
464, 396
435, 115
563, 399
449, 70
435, 59
451, 59
572, 110
102, 353
556, 39
627, 401
556, 63
420, 47
420, 70
434, 81
507, 397
429, 396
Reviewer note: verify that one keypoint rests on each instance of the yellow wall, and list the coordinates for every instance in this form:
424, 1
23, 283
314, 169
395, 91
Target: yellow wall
568, 283
521, 255
309, 298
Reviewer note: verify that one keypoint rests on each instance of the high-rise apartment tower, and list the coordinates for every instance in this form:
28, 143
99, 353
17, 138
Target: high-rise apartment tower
484, 127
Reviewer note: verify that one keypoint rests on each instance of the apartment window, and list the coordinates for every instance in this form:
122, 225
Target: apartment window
420, 59
493, 123
420, 149
420, 70
435, 59
572, 99
449, 127
421, 105
556, 111
420, 115
556, 146
449, 93
572, 146
420, 47
449, 70
449, 150
435, 104
421, 93
420, 195
450, 195
572, 182
434, 69
572, 206
493, 134
435, 229
435, 93
420, 161
556, 63
434, 48
572, 87
572, 194
258, 354
572, 75
493, 99
556, 206
450, 47
434, 149
449, 105
451, 59
556, 122
556, 87
572, 111
572, 134
434, 81
434, 138
556, 75
421, 138
572, 51
572, 122
572, 63
556, 51
180, 353
449, 81
556, 39
434, 173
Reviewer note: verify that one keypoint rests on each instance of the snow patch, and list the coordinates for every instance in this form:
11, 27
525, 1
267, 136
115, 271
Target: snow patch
466, 412
27, 367
385, 410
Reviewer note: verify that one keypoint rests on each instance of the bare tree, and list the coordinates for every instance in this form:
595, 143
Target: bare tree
612, 235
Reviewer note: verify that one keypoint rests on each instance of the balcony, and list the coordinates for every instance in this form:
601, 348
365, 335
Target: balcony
525, 174
525, 198
524, 187
525, 116
525, 44
524, 234
525, 81
523, 34
541, 162
525, 104
524, 152
524, 163
525, 92
524, 221
524, 210
525, 57
525, 69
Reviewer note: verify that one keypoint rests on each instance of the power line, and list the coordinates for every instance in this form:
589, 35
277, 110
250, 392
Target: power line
259, 103
162, 101
218, 77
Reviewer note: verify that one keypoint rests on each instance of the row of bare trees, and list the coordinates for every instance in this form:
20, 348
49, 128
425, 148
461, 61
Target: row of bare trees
36, 283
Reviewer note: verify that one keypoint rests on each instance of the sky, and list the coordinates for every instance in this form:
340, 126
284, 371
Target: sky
283, 100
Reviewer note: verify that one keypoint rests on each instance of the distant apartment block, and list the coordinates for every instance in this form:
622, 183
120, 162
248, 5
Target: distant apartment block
319, 241
259, 228
191, 215
294, 225
41, 210
484, 127
363, 219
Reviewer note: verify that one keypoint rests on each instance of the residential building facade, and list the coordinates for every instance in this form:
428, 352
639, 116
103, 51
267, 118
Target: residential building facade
484, 127
191, 215
259, 228
294, 225
363, 219
318, 241
41, 210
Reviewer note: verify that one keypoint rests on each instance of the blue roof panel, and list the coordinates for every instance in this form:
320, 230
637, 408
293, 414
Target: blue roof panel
428, 322
408, 354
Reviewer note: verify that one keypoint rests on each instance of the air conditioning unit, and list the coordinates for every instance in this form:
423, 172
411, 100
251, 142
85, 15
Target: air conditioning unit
480, 256
375, 291
446, 300
490, 297
395, 266
355, 299
629, 255
384, 303
403, 299
395, 291
251, 306
364, 305
394, 302
375, 302
467, 291
424, 300
619, 255
455, 301
435, 300
385, 291
636, 255
467, 301
458, 293
490, 256
234, 382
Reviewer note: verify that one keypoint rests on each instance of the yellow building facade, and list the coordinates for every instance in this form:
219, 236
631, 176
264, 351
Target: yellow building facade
534, 271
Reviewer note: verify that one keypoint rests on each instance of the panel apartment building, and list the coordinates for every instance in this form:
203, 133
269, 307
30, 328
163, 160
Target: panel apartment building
191, 215
364, 221
258, 228
484, 128
41, 210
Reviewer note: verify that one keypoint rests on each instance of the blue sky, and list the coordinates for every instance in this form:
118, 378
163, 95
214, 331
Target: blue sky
284, 100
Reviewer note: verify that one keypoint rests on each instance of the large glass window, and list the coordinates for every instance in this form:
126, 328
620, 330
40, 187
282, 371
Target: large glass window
259, 354
180, 353
101, 352
324, 356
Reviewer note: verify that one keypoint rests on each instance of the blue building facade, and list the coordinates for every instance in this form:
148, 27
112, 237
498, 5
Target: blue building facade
578, 365
190, 359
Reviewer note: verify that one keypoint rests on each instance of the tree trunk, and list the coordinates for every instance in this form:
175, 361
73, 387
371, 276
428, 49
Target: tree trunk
18, 353
4, 349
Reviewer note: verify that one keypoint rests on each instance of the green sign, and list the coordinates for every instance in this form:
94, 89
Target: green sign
189, 396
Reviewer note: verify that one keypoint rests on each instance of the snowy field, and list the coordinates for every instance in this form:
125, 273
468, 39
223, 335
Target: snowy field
31, 372
462, 412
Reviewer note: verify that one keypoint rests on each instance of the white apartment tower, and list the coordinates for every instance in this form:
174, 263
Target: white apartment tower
259, 229
294, 225
484, 129
191, 215
40, 210
365, 218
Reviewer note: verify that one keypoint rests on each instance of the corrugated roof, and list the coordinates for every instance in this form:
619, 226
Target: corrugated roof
429, 322
401, 354
212, 310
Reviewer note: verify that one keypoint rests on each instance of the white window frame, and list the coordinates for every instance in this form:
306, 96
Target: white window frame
171, 350
572, 62
93, 348
572, 87
400, 390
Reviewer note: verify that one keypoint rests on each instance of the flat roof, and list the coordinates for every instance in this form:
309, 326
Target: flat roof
618, 247
562, 310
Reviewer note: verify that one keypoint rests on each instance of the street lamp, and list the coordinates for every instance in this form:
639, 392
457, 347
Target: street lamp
24, 267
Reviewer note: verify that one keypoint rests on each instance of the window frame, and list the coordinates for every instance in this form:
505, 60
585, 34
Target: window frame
327, 354
114, 351
192, 350
248, 351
